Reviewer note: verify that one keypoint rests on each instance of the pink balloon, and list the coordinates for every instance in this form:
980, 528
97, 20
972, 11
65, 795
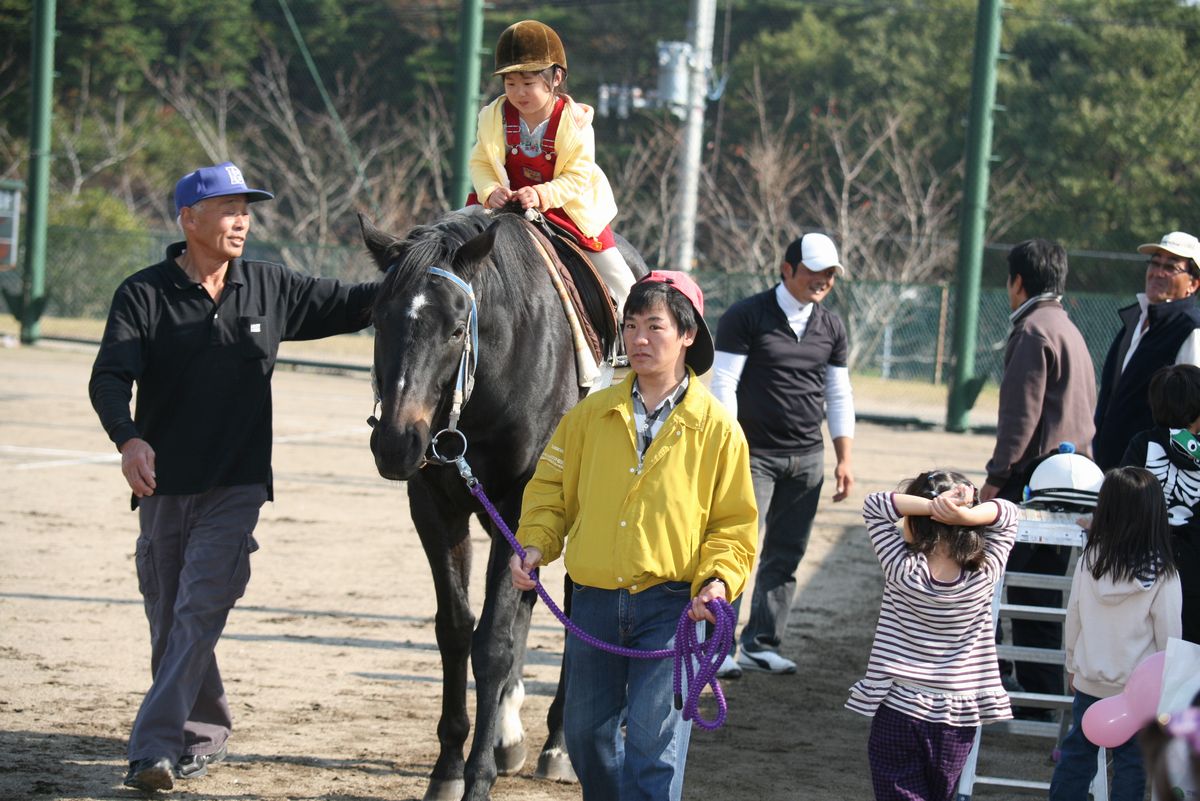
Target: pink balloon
1145, 686
1110, 722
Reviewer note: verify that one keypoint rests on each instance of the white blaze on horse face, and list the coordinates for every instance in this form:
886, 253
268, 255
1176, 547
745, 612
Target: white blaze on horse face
417, 302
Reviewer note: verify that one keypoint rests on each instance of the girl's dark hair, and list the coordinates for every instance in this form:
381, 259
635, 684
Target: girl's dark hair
965, 543
1130, 535
547, 75
1175, 395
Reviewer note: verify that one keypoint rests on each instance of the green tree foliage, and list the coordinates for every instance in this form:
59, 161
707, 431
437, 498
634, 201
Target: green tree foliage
1095, 148
1103, 113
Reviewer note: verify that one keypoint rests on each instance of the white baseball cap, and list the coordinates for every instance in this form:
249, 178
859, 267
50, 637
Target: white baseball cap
1177, 243
816, 252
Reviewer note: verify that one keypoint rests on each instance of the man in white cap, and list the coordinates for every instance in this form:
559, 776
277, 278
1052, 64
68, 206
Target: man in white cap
198, 333
781, 367
1161, 329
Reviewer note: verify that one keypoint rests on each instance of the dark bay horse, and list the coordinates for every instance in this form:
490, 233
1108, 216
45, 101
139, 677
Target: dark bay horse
524, 381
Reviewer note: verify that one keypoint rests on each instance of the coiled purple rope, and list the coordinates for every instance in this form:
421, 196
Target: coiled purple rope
699, 660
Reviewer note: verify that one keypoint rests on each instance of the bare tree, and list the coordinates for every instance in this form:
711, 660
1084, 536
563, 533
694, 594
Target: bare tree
325, 166
749, 211
95, 136
869, 179
644, 186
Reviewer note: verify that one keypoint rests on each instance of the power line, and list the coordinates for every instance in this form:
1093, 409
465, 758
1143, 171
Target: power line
351, 150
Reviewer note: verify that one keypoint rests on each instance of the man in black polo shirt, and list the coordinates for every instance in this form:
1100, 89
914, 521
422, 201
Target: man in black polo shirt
780, 366
1161, 329
198, 333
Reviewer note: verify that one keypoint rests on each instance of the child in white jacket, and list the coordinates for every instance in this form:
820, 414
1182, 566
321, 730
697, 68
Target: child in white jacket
1125, 603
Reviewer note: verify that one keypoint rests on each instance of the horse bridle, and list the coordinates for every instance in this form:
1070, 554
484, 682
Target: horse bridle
464, 381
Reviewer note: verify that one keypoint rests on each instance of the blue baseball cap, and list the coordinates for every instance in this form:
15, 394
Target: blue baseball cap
215, 181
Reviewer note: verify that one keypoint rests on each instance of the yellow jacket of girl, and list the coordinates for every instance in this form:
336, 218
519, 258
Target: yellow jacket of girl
686, 514
579, 186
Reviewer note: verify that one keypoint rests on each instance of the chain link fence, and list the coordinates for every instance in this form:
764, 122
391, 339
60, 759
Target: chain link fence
901, 355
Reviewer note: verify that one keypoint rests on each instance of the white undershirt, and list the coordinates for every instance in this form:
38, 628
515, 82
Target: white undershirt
1189, 351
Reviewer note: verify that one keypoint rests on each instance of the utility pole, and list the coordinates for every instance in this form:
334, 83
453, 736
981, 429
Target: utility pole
33, 287
466, 90
965, 385
701, 22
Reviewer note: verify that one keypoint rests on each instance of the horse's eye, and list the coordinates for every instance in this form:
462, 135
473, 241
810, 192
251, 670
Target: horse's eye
459, 332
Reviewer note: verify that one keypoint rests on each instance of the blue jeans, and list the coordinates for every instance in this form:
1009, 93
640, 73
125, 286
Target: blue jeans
1077, 763
605, 692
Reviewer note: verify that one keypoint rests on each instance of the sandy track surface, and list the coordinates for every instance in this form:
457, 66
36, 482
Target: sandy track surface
330, 661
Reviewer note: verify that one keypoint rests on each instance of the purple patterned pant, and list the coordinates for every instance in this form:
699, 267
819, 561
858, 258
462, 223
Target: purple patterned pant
915, 760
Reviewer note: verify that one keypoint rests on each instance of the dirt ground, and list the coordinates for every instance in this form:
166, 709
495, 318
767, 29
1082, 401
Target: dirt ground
330, 660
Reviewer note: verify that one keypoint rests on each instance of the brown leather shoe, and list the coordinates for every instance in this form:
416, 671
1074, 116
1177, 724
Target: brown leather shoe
148, 775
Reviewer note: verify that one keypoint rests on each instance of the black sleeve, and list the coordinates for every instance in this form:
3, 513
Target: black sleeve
734, 332
322, 307
119, 363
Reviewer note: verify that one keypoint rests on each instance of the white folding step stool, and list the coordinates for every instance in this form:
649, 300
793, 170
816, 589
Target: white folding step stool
1051, 528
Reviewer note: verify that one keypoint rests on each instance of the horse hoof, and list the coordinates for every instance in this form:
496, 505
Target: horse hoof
445, 789
510, 758
555, 765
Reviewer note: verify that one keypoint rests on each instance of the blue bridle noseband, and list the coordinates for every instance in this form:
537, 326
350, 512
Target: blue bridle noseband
465, 380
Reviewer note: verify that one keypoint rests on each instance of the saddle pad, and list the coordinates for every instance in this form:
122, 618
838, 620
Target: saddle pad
597, 303
597, 339
586, 362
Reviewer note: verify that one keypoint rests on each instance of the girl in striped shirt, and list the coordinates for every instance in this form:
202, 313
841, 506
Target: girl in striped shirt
932, 678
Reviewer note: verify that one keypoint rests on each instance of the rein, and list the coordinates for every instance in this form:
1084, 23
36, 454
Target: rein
698, 660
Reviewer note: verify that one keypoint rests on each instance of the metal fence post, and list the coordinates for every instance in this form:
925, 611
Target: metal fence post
965, 384
33, 288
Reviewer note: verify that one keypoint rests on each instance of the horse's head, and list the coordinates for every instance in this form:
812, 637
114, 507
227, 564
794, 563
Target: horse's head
422, 329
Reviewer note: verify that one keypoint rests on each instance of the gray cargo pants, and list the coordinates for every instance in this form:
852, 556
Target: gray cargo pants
193, 563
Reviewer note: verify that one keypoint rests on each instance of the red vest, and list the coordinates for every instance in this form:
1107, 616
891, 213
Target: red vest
526, 170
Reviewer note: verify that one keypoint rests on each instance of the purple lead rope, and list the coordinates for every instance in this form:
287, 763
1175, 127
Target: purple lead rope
699, 660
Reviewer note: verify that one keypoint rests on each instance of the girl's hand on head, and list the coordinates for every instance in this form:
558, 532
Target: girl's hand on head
952, 505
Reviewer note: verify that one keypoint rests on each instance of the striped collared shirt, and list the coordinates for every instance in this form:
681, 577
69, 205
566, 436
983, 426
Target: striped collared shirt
648, 423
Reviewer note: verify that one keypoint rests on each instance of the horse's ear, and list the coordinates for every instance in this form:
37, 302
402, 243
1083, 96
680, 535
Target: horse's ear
470, 258
385, 248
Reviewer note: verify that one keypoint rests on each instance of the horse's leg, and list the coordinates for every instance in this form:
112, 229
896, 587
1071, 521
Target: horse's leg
553, 762
510, 734
492, 659
444, 536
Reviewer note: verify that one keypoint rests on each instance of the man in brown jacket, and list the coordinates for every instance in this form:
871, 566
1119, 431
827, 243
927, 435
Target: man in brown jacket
1047, 396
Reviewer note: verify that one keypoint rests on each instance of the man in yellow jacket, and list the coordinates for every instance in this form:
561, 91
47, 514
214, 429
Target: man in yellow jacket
647, 483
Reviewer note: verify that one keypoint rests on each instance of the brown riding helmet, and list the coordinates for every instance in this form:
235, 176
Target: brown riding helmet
529, 46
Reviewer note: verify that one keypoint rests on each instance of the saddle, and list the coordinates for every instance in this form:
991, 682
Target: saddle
584, 289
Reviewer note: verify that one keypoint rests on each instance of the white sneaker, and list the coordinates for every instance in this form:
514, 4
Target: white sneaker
765, 662
729, 668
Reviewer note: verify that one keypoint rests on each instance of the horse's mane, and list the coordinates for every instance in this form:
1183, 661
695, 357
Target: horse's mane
515, 260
